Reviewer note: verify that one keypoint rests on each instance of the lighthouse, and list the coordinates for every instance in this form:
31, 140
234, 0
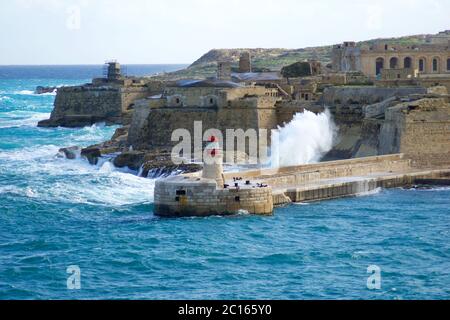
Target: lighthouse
213, 162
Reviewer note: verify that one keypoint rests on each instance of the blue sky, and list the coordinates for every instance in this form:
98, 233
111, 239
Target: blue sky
180, 31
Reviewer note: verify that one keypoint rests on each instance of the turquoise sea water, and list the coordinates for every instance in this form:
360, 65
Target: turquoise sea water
55, 213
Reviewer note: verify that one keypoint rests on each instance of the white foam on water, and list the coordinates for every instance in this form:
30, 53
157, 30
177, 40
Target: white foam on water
5, 98
429, 189
306, 139
19, 119
369, 193
52, 178
33, 93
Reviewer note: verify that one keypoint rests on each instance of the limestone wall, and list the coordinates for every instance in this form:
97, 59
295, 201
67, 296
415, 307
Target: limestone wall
153, 127
78, 106
84, 105
421, 130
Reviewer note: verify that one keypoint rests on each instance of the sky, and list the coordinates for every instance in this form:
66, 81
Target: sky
180, 31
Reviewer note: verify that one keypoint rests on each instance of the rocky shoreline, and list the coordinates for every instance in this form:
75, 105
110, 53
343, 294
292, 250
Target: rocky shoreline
147, 163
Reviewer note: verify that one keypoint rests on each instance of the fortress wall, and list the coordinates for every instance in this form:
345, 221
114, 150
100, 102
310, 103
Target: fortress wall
425, 136
86, 105
421, 130
78, 106
131, 94
152, 128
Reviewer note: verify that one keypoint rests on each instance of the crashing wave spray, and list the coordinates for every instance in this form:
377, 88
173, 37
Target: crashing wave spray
306, 139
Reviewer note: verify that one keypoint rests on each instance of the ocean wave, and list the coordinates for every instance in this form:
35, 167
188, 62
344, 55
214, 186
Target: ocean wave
369, 193
33, 93
16, 119
428, 189
5, 98
72, 181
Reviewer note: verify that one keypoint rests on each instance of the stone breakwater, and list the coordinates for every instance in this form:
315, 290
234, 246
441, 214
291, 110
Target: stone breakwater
258, 191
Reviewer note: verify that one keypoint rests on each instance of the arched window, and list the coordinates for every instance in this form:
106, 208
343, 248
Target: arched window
407, 63
422, 65
448, 64
393, 63
379, 65
435, 65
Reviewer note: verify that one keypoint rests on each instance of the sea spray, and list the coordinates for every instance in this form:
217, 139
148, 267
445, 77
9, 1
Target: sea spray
306, 139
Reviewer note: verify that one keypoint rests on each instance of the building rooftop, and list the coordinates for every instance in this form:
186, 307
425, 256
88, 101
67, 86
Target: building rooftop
256, 76
207, 83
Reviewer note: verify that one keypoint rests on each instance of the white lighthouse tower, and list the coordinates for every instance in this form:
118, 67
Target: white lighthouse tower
213, 162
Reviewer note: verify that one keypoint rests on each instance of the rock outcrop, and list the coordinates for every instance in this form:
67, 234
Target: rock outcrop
42, 90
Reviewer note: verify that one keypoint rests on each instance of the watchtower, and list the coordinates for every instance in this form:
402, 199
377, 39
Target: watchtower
224, 70
113, 70
245, 63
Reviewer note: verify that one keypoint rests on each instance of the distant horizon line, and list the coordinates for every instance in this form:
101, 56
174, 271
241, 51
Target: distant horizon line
92, 64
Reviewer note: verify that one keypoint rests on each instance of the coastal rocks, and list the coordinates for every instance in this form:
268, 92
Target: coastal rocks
120, 136
42, 90
130, 159
153, 164
72, 121
155, 170
71, 153
92, 154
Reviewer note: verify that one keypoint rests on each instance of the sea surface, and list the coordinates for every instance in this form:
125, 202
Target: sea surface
57, 213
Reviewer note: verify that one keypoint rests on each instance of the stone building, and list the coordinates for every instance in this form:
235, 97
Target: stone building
109, 99
217, 104
346, 57
426, 59
442, 37
114, 71
245, 63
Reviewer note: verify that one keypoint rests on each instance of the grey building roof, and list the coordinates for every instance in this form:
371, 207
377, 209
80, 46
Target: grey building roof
207, 83
256, 76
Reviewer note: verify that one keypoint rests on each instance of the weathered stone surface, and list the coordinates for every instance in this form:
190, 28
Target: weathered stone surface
109, 102
92, 154
42, 90
71, 152
157, 169
130, 159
